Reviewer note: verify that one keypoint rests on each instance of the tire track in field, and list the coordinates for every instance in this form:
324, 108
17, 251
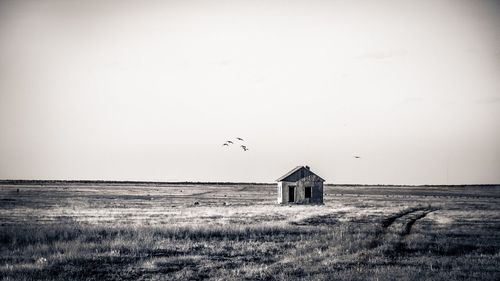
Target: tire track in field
402, 222
395, 227
387, 222
409, 224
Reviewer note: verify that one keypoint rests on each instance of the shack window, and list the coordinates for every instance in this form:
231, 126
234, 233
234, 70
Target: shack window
308, 192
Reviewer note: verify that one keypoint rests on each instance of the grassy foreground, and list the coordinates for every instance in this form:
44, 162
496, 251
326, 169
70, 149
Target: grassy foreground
412, 241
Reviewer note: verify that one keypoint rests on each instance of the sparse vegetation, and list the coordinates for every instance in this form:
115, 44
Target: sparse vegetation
147, 233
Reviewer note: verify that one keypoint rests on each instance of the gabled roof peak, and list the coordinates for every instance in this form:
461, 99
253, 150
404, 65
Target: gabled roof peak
296, 169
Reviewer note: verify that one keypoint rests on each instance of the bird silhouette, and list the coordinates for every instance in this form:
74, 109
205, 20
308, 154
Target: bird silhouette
230, 142
225, 144
357, 157
244, 147
240, 139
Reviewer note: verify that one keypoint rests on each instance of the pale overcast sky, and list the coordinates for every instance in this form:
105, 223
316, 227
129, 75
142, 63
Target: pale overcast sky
150, 90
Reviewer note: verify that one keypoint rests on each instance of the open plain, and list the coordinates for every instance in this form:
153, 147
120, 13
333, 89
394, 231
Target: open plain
118, 231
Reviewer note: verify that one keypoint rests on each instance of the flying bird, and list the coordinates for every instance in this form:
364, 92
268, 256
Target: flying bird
357, 157
225, 144
244, 148
230, 142
240, 139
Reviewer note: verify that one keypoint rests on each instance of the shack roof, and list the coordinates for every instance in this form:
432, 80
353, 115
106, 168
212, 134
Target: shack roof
298, 173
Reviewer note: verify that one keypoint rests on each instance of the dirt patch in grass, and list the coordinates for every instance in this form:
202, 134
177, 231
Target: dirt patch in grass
326, 220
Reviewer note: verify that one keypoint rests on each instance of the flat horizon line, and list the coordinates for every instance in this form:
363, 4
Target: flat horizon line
132, 182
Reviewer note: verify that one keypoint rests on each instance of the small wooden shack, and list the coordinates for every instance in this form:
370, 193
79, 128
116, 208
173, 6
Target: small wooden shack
300, 186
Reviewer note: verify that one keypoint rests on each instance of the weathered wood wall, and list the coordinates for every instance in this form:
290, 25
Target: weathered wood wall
312, 181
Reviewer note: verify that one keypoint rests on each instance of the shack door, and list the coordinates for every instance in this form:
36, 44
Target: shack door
291, 194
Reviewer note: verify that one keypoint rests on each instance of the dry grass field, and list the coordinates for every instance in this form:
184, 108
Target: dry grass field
237, 232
